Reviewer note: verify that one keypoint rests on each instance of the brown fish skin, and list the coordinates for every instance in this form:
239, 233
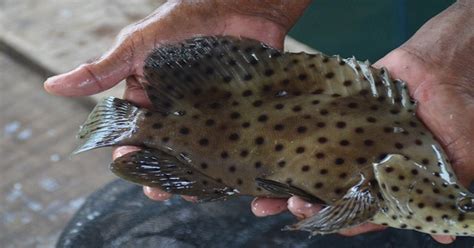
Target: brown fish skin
230, 111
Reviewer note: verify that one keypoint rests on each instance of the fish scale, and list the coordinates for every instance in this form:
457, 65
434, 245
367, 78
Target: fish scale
235, 117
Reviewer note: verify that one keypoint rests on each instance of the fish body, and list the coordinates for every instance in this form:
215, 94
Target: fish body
236, 117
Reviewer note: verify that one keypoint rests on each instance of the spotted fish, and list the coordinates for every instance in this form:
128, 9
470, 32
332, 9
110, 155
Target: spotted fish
233, 116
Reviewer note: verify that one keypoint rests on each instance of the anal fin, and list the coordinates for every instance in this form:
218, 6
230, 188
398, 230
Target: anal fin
286, 190
356, 207
155, 168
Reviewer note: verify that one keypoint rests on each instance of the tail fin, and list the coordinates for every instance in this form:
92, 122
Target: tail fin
111, 122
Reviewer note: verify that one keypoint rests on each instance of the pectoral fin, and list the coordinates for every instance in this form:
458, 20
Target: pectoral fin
356, 207
286, 190
157, 169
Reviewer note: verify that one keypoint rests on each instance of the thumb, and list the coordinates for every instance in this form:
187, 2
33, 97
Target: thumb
92, 78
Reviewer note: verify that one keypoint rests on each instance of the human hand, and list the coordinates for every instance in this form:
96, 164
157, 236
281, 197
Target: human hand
437, 65
267, 21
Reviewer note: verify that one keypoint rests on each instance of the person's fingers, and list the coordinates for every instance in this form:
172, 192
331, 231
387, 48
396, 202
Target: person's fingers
302, 209
444, 239
362, 228
156, 194
92, 78
122, 150
262, 207
135, 93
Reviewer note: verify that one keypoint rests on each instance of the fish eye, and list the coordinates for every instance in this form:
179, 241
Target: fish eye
466, 204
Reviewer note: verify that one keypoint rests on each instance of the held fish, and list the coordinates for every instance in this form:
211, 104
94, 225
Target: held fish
233, 116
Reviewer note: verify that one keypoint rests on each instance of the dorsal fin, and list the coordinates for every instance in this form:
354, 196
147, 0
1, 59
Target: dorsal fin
204, 69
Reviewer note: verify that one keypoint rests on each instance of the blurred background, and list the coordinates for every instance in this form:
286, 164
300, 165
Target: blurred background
41, 186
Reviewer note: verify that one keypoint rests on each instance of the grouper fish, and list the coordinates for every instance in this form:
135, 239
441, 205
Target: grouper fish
232, 116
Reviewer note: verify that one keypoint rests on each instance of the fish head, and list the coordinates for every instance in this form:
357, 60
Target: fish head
415, 197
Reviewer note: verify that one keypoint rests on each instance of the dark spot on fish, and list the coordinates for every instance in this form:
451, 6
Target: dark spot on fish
279, 106
323, 112
340, 124
315, 102
317, 91
305, 168
235, 115
184, 130
297, 108
204, 166
352, 105
344, 143
451, 196
320, 155
359, 130
361, 160
425, 161
347, 83
412, 124
418, 227
343, 175
436, 190
263, 118
323, 171
258, 164
165, 139
322, 140
232, 168
259, 140
234, 137
414, 172
338, 191
368, 142
300, 150
210, 122
329, 75
389, 169
421, 205
321, 124
224, 155
399, 145
148, 114
278, 147
269, 72
278, 127
246, 124
248, 77
364, 92
339, 161
203, 142
244, 153
227, 79
318, 185
257, 103
285, 82
371, 119
301, 129
438, 205
157, 125
395, 189
302, 76
239, 181
461, 217
403, 226
282, 163
419, 191
247, 93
